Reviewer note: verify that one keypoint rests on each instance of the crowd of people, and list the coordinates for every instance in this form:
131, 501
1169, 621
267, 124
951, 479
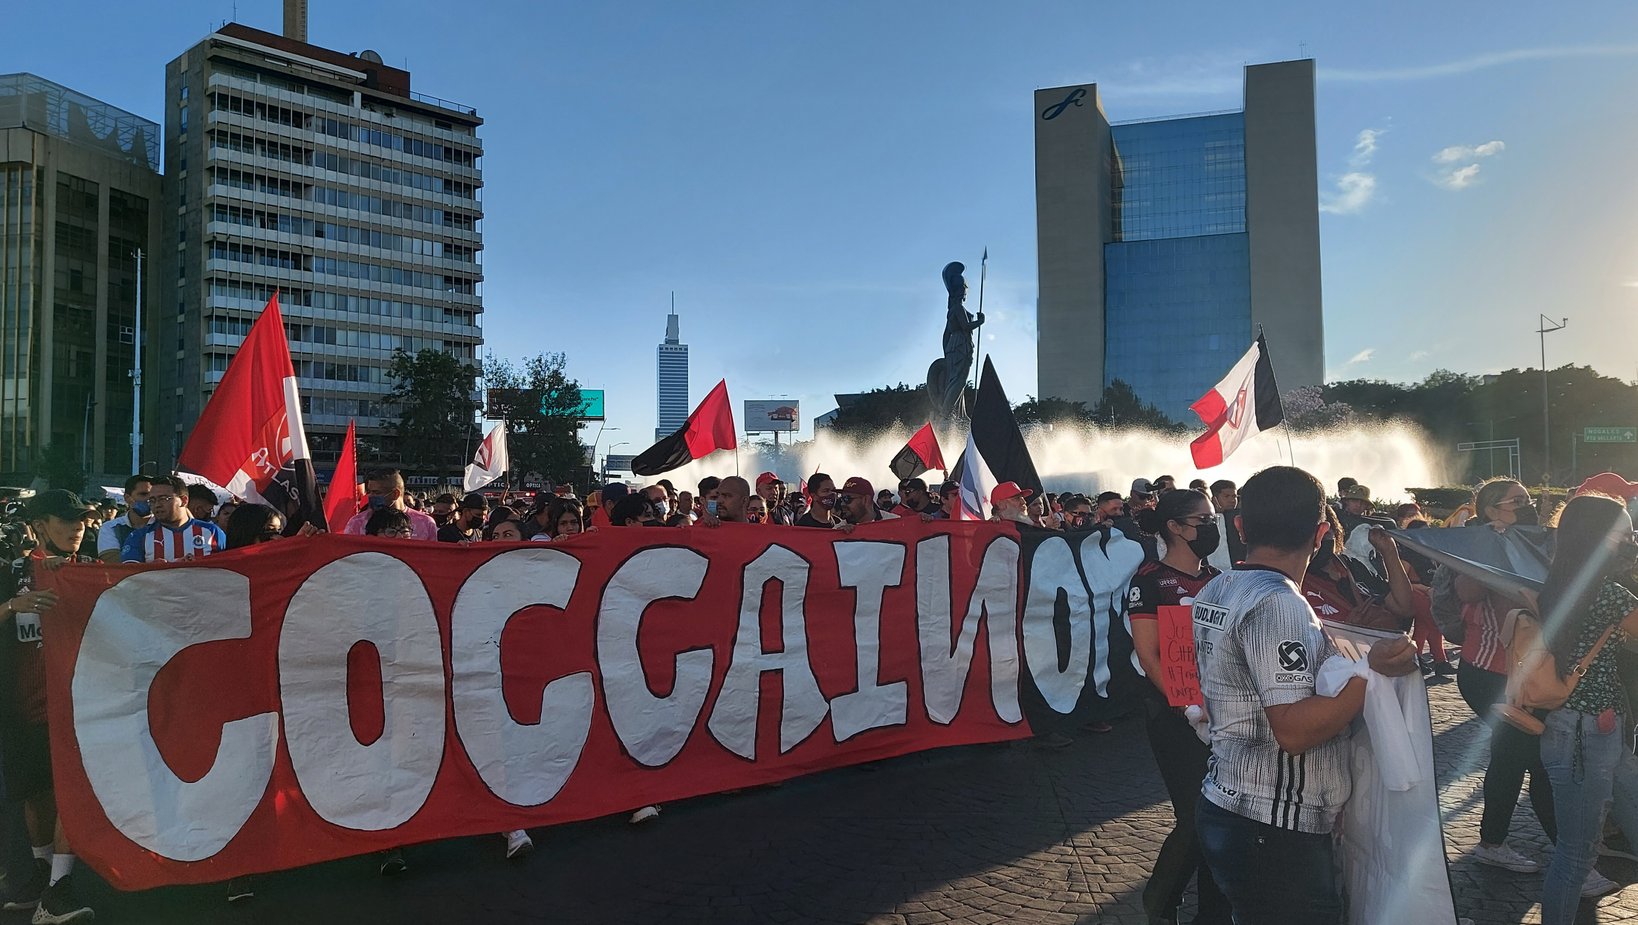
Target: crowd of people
1257, 793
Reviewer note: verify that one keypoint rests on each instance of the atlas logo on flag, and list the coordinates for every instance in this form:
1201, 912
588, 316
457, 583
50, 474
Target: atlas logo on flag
1237, 411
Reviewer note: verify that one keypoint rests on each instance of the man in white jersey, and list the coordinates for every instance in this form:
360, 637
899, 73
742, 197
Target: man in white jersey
111, 536
1278, 773
174, 535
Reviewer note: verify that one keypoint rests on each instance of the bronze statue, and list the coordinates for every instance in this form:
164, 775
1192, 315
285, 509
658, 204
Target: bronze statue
947, 377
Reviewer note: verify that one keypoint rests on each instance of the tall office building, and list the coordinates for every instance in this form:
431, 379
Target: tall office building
1164, 244
319, 174
670, 381
79, 196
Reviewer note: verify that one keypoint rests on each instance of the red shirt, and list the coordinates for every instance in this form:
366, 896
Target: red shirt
1157, 585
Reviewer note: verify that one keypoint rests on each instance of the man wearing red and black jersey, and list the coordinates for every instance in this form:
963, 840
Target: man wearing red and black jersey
58, 520
1187, 523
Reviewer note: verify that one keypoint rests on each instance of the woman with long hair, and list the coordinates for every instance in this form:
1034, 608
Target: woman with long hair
1500, 505
1585, 747
1185, 520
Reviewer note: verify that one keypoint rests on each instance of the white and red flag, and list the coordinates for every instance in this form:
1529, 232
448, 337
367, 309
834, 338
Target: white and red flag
250, 437
976, 481
490, 462
1244, 404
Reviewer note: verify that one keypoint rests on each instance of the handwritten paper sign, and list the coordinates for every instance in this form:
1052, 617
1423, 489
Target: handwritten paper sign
1179, 674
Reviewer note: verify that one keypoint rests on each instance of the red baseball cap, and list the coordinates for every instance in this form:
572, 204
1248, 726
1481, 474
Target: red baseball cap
766, 478
858, 486
1007, 490
1609, 483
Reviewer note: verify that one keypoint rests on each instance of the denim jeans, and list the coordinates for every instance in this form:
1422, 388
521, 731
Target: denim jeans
1593, 773
1271, 876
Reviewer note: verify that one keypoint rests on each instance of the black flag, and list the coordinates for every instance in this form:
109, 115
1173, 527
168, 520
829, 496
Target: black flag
996, 432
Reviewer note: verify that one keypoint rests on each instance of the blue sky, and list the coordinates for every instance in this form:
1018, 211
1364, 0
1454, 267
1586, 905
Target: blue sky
799, 173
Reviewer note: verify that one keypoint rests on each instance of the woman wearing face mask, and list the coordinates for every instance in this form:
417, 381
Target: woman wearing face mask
1500, 505
1184, 519
1337, 592
1586, 616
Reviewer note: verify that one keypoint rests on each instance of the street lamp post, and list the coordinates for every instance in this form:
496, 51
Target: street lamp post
1548, 326
595, 440
610, 452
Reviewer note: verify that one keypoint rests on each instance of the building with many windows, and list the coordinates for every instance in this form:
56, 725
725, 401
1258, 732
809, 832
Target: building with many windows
1165, 244
321, 175
79, 197
670, 381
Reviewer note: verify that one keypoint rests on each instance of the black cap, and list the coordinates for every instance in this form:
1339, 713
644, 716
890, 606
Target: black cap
58, 502
474, 502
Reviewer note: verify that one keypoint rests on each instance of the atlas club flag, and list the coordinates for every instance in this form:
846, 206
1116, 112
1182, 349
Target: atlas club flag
250, 438
708, 429
919, 455
490, 462
1244, 404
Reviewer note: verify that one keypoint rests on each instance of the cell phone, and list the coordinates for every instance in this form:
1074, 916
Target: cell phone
711, 507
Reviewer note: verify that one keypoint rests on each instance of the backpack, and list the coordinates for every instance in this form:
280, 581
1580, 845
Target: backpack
1533, 679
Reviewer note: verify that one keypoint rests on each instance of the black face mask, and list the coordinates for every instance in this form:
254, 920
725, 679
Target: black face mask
1206, 539
1525, 517
1323, 556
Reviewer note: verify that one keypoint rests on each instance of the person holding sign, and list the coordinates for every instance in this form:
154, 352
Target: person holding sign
1160, 590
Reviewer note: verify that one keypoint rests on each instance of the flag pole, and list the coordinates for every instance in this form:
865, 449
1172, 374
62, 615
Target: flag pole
978, 340
1290, 449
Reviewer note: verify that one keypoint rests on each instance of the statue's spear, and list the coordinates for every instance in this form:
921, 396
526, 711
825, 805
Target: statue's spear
978, 341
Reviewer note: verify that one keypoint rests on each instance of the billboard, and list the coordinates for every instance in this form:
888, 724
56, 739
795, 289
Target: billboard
499, 400
779, 415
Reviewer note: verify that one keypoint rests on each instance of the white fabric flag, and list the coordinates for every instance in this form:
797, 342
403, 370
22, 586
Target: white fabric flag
976, 484
490, 462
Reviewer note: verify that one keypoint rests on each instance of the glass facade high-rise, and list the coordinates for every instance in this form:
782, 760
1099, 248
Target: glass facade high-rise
1165, 243
322, 176
670, 381
79, 198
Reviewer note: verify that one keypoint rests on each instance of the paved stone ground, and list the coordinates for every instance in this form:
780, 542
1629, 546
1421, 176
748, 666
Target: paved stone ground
1002, 833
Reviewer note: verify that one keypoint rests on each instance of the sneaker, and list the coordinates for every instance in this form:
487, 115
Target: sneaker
1505, 858
1444, 669
392, 862
1615, 845
239, 890
1597, 885
518, 844
58, 905
644, 814
27, 896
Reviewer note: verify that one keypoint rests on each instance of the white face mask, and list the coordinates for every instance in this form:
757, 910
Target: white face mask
663, 507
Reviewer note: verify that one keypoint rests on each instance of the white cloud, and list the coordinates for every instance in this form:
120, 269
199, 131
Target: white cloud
1458, 165
1353, 191
1419, 355
1363, 356
1365, 147
1476, 63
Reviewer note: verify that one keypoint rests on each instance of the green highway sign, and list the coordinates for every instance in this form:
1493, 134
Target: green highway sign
1610, 435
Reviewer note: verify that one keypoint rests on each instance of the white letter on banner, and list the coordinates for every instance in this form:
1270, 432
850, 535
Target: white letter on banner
1108, 574
870, 568
946, 661
733, 719
653, 729
137, 627
1051, 569
376, 598
523, 765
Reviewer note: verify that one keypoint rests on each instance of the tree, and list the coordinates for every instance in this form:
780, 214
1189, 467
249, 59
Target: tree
59, 465
432, 393
1306, 409
541, 406
896, 407
1050, 412
1120, 406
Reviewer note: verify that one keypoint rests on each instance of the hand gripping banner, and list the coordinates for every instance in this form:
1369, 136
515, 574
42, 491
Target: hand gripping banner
310, 699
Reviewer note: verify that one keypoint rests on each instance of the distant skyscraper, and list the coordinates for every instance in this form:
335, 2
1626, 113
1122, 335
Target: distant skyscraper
671, 381
319, 174
79, 194
1164, 244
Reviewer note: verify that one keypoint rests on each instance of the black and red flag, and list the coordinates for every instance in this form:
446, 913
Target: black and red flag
250, 438
919, 455
1244, 404
708, 429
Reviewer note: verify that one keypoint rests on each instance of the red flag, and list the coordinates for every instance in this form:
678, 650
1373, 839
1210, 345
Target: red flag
341, 501
1244, 404
708, 429
919, 455
250, 439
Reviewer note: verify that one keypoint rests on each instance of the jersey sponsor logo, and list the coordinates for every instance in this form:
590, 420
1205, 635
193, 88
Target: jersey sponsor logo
1135, 596
1210, 615
1293, 657
28, 627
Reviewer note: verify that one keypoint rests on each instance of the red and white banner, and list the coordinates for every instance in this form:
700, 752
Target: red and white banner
490, 462
311, 699
1244, 404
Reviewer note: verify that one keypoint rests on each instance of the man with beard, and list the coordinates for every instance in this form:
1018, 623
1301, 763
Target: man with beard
856, 504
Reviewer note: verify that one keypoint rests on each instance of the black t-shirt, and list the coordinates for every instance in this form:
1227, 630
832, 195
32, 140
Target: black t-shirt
449, 533
807, 521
